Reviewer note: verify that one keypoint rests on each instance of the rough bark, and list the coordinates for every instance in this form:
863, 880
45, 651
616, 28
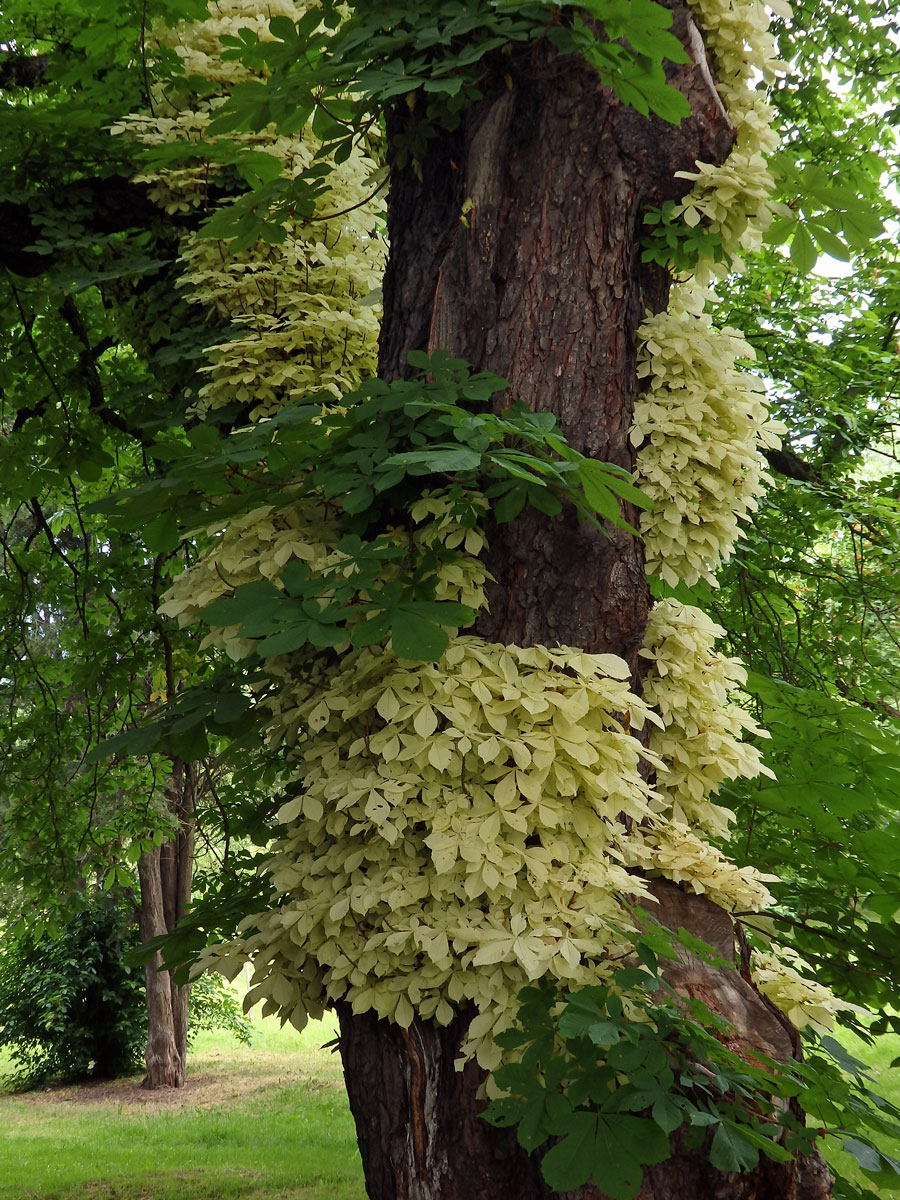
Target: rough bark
545, 287
403, 1089
165, 879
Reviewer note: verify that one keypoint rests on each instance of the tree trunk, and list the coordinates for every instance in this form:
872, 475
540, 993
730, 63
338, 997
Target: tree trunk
545, 287
165, 878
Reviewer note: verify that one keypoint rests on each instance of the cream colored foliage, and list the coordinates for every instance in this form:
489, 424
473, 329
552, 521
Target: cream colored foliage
298, 317
689, 685
803, 1001
456, 831
703, 423
675, 852
702, 420
463, 827
735, 196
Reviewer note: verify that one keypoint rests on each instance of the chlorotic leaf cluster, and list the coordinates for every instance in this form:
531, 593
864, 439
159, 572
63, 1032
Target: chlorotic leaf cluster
804, 1002
296, 316
702, 421
465, 827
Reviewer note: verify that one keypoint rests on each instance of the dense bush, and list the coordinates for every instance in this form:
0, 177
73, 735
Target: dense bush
71, 1006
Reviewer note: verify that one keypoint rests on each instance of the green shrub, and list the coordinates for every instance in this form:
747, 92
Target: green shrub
69, 1006
72, 1007
215, 1006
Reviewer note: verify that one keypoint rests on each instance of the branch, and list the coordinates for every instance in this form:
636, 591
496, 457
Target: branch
785, 462
23, 70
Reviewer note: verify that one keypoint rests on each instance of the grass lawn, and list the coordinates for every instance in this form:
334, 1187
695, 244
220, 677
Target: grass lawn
885, 1082
267, 1123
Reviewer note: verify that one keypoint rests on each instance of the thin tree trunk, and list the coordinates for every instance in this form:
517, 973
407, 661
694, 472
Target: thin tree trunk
165, 879
544, 287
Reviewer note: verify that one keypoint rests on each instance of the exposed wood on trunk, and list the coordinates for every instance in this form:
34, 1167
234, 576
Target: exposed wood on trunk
165, 879
544, 287
407, 1097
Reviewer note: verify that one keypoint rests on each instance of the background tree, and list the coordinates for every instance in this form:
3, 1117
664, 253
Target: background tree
86, 383
72, 1006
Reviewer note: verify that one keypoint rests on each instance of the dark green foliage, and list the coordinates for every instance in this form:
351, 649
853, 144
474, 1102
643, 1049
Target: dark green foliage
371, 457
69, 1006
72, 1003
607, 1074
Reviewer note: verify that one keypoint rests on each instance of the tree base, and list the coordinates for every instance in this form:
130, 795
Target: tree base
421, 1135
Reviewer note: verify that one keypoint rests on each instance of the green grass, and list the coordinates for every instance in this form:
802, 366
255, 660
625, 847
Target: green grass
885, 1081
265, 1123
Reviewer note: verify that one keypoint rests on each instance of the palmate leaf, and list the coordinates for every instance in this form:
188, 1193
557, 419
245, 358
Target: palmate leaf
417, 628
416, 638
601, 484
249, 600
435, 459
731, 1150
610, 1150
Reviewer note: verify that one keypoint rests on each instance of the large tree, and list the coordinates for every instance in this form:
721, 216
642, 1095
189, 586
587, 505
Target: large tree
446, 840
83, 654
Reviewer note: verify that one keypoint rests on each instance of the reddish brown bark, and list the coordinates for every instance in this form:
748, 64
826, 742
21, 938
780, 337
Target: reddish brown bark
544, 287
165, 879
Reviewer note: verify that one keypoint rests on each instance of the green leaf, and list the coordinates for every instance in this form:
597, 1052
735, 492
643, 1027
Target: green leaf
803, 251
571, 1162
133, 741
731, 1150
436, 459
248, 601
359, 499
509, 505
444, 612
609, 1151
864, 1153
283, 28
372, 630
828, 241
161, 534
533, 1130
286, 642
417, 639
667, 1114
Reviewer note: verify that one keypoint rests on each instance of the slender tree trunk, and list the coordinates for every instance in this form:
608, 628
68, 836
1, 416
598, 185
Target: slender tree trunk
545, 287
165, 878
